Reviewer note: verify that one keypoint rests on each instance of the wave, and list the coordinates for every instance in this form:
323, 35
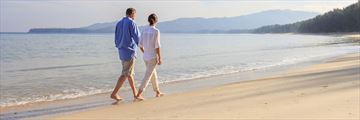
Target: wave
56, 67
204, 73
216, 71
66, 94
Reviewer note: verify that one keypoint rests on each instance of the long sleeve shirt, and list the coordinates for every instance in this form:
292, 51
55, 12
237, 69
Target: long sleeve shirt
127, 38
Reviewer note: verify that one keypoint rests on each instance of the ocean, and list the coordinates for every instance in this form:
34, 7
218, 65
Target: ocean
47, 67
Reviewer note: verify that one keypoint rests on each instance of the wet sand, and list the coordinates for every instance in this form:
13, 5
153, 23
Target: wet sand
329, 90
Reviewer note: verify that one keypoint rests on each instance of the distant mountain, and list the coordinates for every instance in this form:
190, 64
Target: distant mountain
95, 28
102, 27
337, 20
202, 25
251, 21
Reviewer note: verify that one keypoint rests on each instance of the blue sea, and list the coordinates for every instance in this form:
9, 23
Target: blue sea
47, 67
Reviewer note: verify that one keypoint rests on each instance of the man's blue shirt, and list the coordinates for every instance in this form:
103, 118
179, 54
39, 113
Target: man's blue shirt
127, 38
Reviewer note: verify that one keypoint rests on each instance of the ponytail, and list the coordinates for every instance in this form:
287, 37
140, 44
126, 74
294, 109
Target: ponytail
152, 19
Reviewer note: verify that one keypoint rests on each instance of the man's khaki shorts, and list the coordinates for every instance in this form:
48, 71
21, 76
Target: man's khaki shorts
128, 67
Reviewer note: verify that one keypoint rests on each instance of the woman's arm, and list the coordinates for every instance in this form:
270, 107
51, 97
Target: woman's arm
142, 49
158, 56
141, 43
157, 46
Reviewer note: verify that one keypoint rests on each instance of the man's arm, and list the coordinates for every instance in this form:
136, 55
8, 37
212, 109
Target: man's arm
134, 31
116, 36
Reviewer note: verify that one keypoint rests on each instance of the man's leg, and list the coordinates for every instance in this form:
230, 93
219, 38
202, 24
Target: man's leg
132, 85
120, 82
127, 70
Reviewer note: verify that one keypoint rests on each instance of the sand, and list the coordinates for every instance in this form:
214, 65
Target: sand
329, 90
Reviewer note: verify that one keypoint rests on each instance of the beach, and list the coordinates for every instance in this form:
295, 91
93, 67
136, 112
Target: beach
329, 90
72, 80
274, 60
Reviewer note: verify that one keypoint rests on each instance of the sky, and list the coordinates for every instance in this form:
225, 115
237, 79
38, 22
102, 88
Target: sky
22, 15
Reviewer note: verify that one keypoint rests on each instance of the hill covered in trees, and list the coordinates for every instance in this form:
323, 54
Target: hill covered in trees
337, 20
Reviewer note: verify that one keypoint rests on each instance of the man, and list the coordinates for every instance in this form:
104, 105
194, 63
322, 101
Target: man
126, 40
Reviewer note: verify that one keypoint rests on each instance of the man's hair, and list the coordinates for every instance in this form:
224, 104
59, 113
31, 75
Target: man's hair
130, 11
152, 19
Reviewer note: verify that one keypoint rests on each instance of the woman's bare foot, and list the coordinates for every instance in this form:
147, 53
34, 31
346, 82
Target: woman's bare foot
115, 97
159, 94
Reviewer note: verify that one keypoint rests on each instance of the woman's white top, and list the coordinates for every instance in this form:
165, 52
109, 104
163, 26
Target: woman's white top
150, 40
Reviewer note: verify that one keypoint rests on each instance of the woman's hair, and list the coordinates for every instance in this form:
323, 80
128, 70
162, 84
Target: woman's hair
152, 19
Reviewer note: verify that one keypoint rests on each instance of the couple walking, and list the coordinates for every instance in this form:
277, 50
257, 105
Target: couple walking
127, 38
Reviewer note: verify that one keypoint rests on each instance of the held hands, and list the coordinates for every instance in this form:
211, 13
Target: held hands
158, 61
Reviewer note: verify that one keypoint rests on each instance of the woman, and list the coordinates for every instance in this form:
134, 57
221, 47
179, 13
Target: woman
150, 46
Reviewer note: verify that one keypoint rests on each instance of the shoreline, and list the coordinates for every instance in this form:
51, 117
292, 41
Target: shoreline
50, 108
297, 93
331, 34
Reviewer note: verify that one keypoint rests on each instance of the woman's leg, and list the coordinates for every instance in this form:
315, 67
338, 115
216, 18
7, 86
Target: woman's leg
154, 81
150, 67
155, 84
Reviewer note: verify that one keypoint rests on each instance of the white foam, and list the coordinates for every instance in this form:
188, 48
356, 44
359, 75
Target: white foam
255, 66
66, 94
214, 71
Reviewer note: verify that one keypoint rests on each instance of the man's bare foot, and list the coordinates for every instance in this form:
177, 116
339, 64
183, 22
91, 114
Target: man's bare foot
140, 98
116, 97
159, 94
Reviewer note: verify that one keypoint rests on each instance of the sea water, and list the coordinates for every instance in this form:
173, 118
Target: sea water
47, 67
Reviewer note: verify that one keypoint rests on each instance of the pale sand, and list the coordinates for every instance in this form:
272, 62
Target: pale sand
354, 36
324, 91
